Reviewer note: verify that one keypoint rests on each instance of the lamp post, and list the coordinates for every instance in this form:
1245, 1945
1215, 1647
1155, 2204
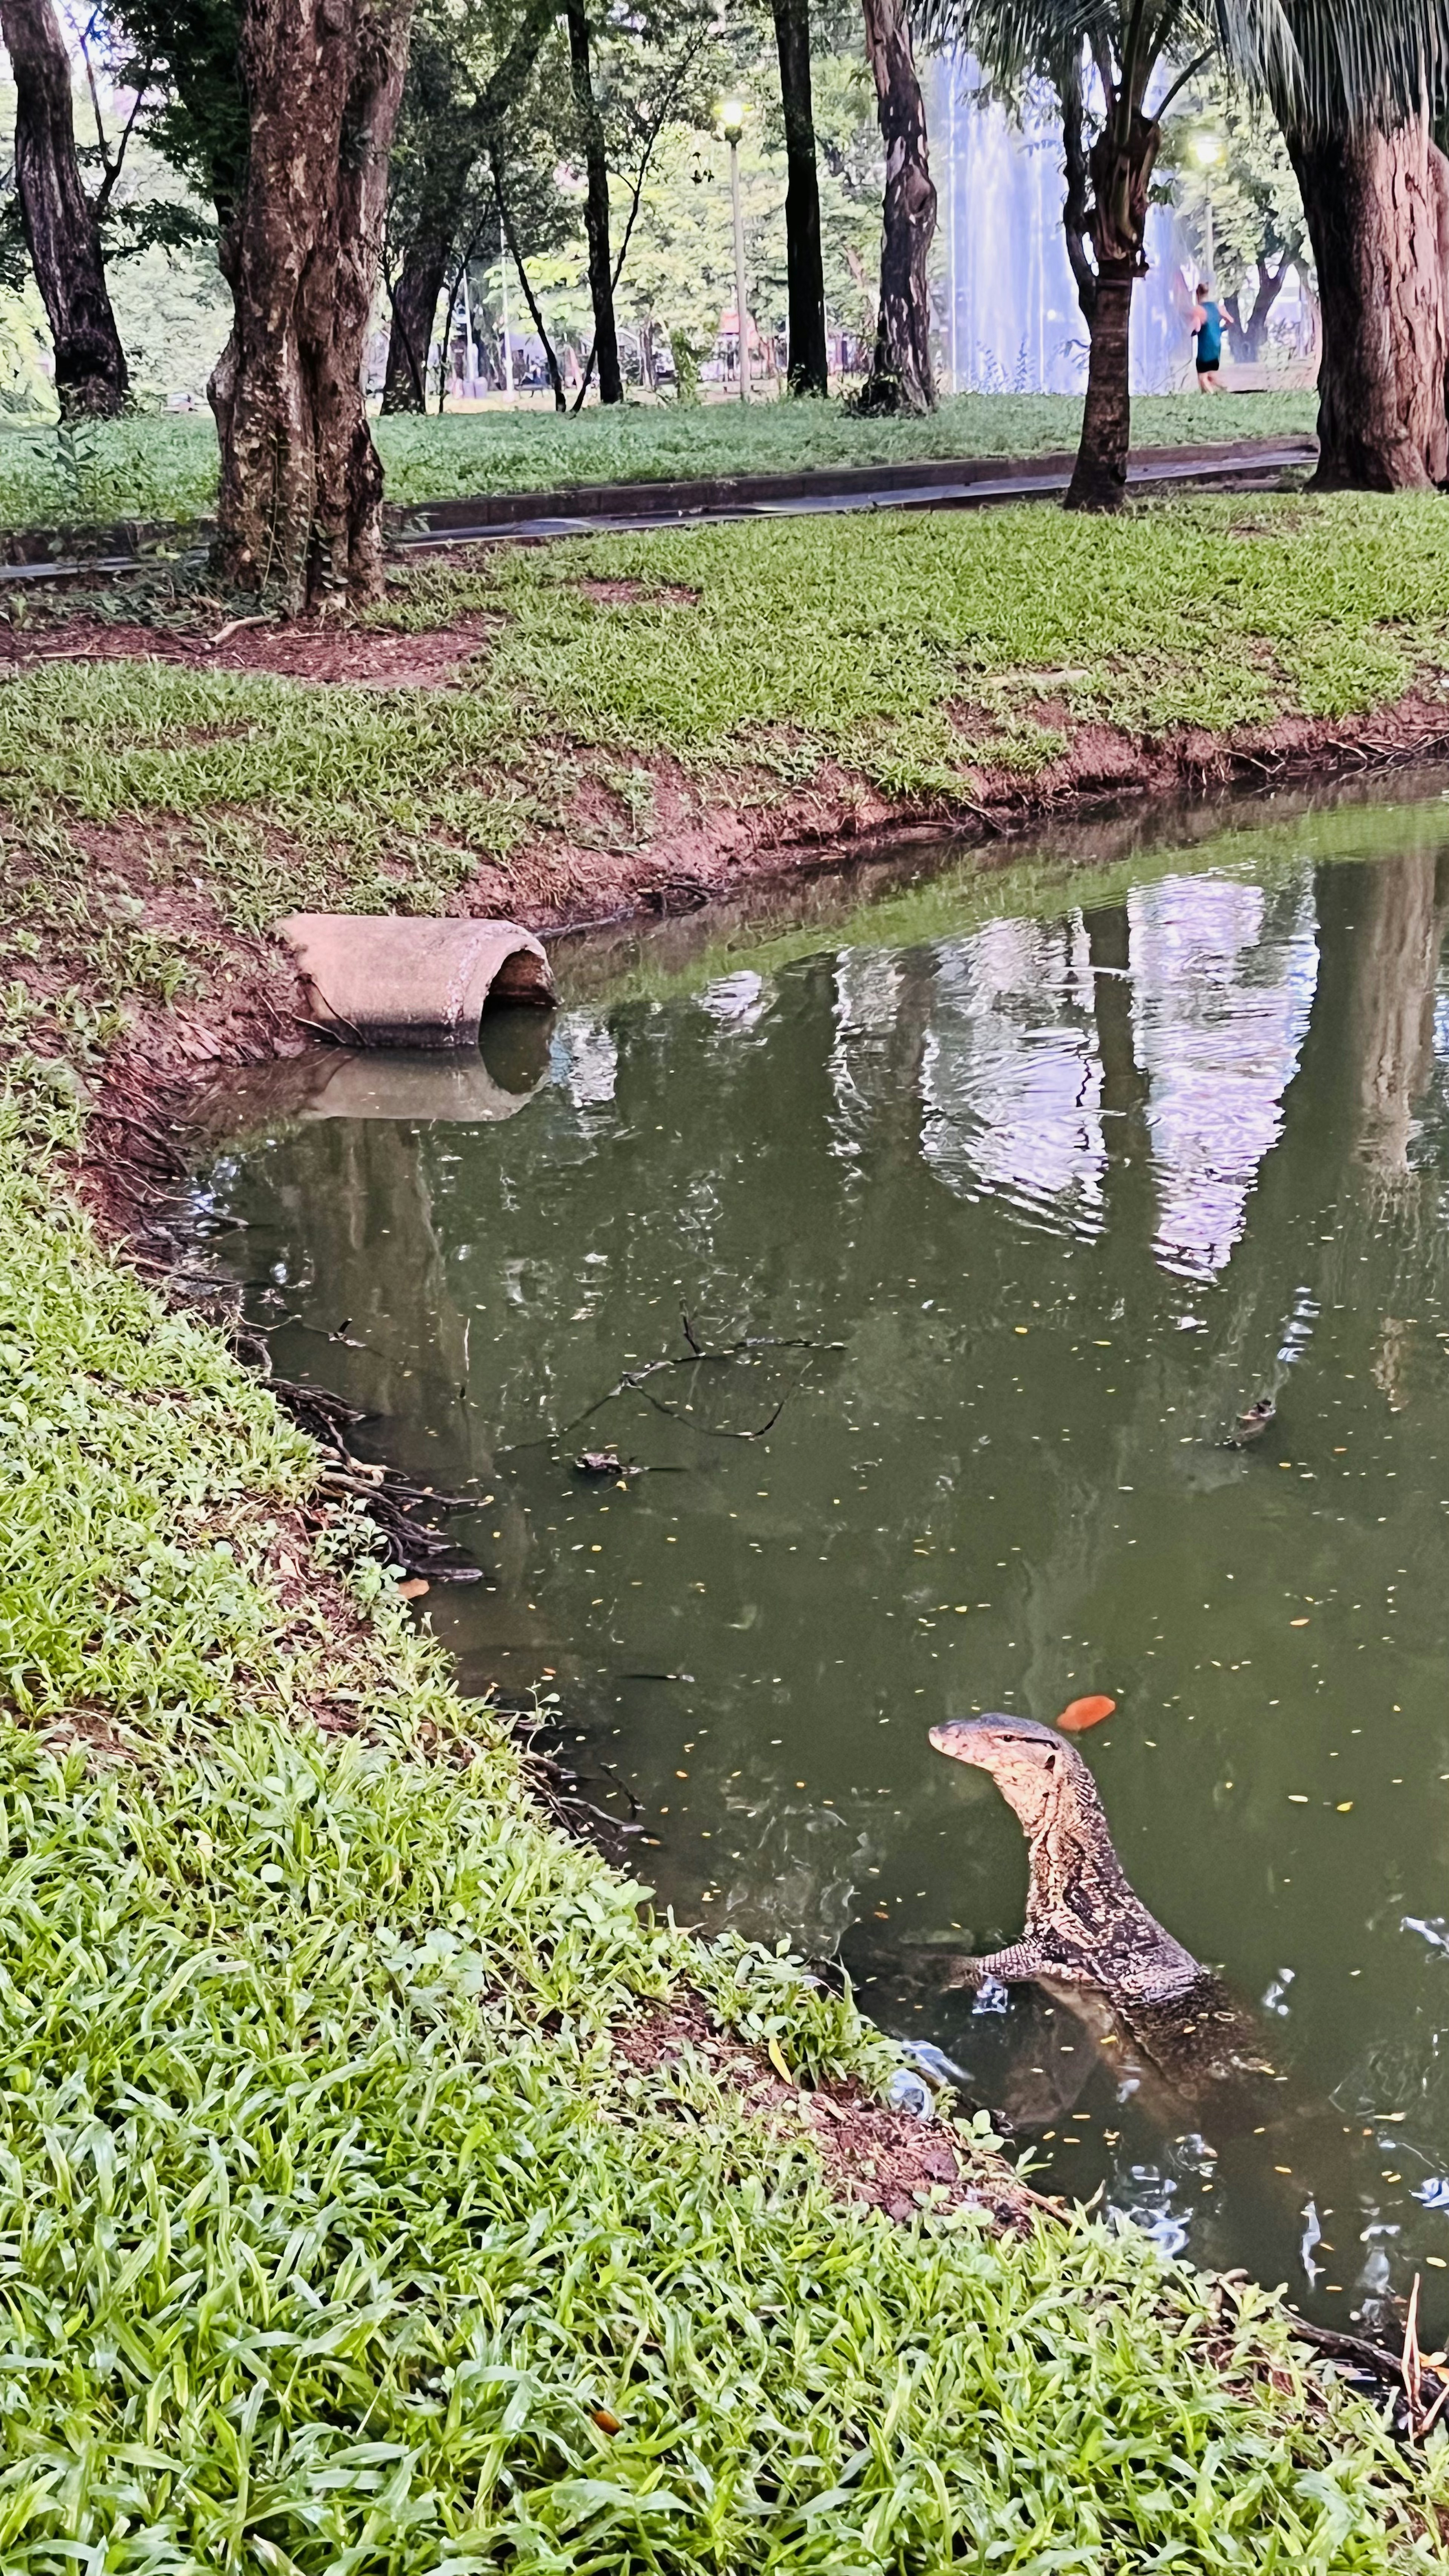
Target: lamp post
507, 337
732, 126
1206, 150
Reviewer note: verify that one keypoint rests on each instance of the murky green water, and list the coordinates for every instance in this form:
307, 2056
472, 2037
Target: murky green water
989, 1212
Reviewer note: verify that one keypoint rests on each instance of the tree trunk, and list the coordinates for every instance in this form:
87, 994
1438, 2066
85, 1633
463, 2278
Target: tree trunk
1077, 203
900, 376
1398, 935
300, 514
804, 267
1120, 166
550, 354
1246, 337
596, 207
439, 219
414, 311
1099, 477
61, 234
1372, 202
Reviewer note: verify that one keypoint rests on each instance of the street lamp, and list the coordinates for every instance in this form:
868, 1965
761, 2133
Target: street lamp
1206, 150
732, 126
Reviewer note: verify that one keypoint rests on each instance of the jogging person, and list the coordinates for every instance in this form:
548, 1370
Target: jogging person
1207, 327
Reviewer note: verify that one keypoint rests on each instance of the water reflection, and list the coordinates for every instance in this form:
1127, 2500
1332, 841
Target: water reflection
998, 1231
1011, 1077
1222, 981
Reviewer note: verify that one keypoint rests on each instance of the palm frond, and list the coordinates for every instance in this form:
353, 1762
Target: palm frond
1323, 63
1370, 60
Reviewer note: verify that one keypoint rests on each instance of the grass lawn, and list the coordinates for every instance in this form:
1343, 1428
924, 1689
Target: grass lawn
149, 807
166, 469
336, 2235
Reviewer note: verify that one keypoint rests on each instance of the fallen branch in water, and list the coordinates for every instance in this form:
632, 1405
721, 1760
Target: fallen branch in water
699, 1355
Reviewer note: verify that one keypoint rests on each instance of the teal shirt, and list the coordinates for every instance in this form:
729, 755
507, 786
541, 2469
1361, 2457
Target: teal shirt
1210, 335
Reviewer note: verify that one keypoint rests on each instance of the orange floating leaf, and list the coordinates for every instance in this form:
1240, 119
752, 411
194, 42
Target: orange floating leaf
1080, 1713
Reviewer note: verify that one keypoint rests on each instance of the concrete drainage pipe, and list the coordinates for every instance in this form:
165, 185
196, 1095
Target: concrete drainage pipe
390, 980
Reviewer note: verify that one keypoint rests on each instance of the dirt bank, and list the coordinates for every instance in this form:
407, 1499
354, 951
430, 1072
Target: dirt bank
706, 840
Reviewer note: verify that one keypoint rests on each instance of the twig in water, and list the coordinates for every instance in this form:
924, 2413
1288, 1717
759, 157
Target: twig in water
633, 1380
1374, 2357
1410, 2355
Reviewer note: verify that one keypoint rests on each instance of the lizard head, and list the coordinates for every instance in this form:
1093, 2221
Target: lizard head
1030, 1764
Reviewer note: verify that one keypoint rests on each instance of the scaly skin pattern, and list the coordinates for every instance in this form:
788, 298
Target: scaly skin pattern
1085, 1923
1084, 1920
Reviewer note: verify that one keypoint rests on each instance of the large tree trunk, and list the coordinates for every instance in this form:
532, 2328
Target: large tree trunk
900, 376
1372, 202
1099, 477
61, 234
596, 207
414, 310
804, 268
300, 514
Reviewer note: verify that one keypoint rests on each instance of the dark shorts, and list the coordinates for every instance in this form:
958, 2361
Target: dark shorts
1208, 366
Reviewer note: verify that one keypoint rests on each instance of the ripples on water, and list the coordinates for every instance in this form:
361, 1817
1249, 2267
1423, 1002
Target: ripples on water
1019, 1215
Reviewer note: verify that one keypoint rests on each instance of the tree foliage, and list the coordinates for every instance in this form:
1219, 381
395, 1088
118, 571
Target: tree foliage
1242, 204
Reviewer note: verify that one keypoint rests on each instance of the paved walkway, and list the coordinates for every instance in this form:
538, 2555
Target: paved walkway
927, 483
924, 484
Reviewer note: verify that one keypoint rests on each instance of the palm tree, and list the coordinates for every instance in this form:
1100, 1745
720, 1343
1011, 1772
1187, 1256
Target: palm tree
1126, 44
1355, 85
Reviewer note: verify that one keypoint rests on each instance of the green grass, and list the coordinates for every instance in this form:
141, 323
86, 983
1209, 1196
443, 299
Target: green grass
166, 469
437, 459
900, 645
747, 659
330, 2221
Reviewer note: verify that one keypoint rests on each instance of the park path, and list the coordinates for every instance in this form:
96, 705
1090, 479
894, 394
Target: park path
947, 483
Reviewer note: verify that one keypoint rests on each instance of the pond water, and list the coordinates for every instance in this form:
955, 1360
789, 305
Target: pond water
989, 1209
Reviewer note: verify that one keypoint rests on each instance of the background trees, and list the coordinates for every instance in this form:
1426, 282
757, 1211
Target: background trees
470, 71
1233, 182
62, 234
1117, 66
349, 169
